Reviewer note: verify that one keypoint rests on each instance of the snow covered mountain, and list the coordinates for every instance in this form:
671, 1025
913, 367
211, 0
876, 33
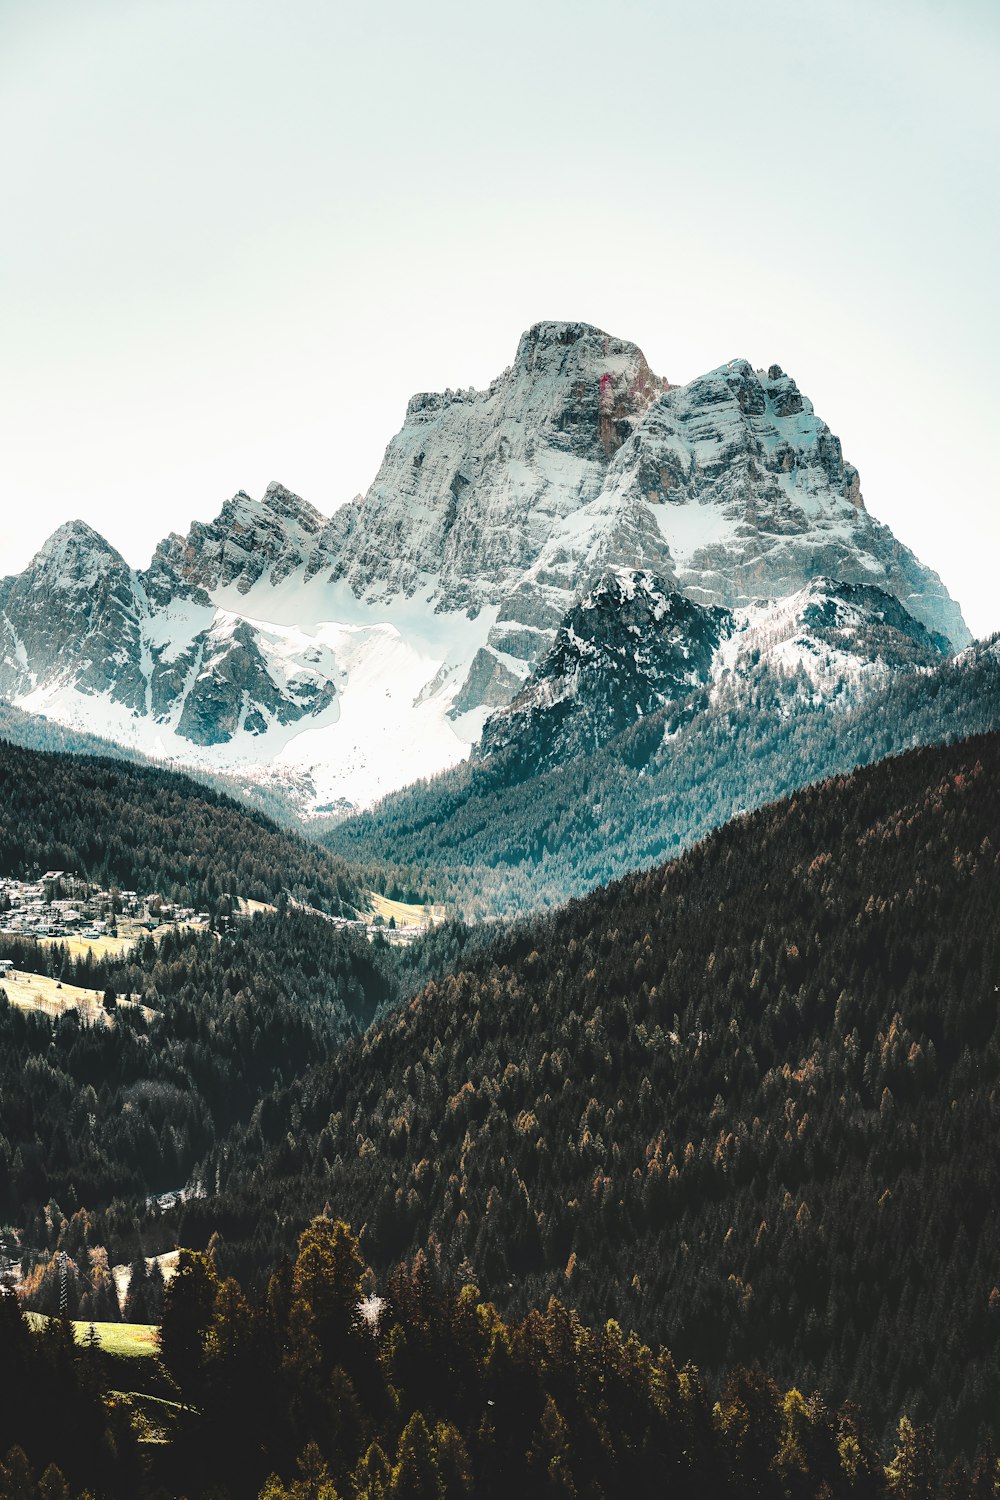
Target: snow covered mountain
629, 647
92, 643
345, 657
633, 646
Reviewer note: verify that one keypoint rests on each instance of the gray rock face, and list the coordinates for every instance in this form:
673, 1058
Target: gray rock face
579, 459
233, 690
753, 496
470, 488
249, 540
73, 615
494, 516
489, 682
80, 621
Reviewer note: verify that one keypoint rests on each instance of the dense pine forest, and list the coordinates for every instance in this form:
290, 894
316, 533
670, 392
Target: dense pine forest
727, 1104
495, 839
316, 1391
142, 828
91, 1117
730, 1103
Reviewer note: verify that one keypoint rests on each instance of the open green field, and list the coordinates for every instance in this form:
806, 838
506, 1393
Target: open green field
133, 1340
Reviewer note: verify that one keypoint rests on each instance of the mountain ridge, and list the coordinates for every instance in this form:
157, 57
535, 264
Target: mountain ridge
515, 831
338, 658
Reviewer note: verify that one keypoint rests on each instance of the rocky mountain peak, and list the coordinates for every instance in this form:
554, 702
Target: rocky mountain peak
283, 502
606, 376
249, 540
632, 645
72, 613
75, 549
558, 346
562, 547
472, 485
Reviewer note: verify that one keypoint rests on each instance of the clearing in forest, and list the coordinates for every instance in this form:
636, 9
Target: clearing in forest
406, 915
134, 1340
55, 997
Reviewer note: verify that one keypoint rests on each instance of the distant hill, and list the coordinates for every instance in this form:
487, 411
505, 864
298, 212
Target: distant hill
143, 828
532, 822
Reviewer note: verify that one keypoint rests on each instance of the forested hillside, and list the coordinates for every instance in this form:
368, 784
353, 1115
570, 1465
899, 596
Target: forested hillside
728, 1102
150, 830
429, 1395
94, 1115
498, 842
36, 732
96, 1119
737, 1103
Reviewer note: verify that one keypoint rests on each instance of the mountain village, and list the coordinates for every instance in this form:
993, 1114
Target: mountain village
62, 909
61, 905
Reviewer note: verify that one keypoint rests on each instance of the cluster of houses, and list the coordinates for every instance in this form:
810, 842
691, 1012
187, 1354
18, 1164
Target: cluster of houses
60, 904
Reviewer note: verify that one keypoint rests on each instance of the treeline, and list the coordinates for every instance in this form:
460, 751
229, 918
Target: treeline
739, 1103
60, 1433
319, 1389
154, 831
84, 1288
494, 841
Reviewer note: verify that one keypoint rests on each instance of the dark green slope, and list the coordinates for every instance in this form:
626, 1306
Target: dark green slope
151, 830
90, 1115
500, 842
747, 1103
36, 732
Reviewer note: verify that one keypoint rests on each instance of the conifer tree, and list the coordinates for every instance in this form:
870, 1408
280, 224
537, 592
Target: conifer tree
188, 1308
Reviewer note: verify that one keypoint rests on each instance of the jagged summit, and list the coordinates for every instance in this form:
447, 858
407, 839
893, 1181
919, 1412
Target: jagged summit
559, 345
471, 487
248, 540
74, 540
76, 530
148, 657
547, 536
285, 502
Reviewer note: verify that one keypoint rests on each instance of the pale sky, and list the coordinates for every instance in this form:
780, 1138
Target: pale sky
235, 236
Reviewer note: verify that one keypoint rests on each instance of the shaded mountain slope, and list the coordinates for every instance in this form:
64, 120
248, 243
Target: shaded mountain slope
501, 840
147, 829
737, 1102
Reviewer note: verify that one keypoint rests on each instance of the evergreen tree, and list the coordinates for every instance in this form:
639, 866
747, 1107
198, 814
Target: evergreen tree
188, 1310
